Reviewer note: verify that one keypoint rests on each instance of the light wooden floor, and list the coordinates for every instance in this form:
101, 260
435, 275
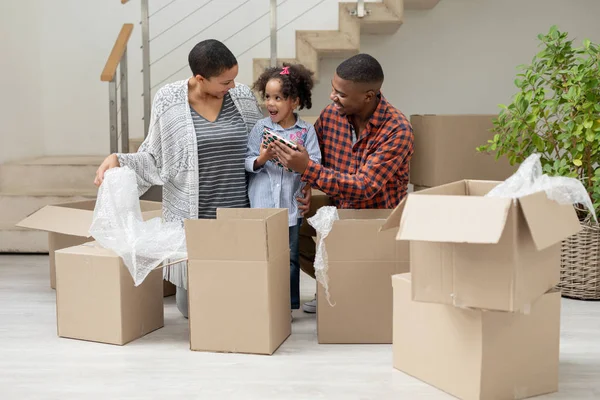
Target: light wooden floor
36, 364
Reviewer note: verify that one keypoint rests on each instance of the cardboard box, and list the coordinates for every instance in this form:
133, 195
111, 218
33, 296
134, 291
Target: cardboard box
239, 281
169, 289
477, 354
96, 299
68, 225
361, 261
417, 188
482, 252
445, 150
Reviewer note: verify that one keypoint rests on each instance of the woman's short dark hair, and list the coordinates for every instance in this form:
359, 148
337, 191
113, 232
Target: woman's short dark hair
210, 58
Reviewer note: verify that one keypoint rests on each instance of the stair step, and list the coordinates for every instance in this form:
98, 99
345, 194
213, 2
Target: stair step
420, 4
261, 64
332, 43
50, 174
15, 206
380, 19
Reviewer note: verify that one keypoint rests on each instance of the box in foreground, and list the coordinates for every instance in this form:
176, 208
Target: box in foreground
96, 299
239, 281
476, 354
482, 252
68, 225
361, 261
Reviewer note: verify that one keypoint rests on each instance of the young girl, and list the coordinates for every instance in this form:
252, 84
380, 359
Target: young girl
271, 186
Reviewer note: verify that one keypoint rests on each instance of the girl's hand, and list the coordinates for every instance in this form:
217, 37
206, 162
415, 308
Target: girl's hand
266, 153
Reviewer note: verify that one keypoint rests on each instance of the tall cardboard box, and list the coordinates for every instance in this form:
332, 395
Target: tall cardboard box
476, 354
361, 261
96, 299
474, 251
445, 150
68, 225
239, 281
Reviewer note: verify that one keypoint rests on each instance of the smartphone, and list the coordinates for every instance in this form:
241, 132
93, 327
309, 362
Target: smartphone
269, 137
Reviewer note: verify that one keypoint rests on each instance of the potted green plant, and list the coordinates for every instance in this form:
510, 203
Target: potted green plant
556, 113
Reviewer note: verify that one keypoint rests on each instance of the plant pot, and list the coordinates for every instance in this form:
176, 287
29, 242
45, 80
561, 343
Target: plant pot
580, 264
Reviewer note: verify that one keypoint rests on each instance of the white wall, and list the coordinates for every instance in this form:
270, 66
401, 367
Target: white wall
20, 77
76, 39
459, 57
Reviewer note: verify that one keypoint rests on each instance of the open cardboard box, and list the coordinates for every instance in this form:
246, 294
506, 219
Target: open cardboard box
477, 354
96, 299
474, 251
239, 281
361, 261
68, 225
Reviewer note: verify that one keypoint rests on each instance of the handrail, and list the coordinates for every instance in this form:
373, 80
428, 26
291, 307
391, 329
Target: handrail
110, 69
124, 1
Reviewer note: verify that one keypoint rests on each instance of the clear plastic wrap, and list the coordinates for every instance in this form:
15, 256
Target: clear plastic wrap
323, 221
529, 179
118, 225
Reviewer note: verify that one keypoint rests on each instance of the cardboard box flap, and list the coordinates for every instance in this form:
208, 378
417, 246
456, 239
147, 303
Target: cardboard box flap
453, 219
275, 219
226, 239
364, 214
57, 219
393, 221
548, 221
455, 189
146, 205
89, 249
248, 213
400, 279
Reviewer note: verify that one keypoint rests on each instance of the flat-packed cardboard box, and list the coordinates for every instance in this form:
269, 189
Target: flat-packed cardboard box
239, 281
96, 299
68, 225
361, 261
474, 251
445, 150
477, 354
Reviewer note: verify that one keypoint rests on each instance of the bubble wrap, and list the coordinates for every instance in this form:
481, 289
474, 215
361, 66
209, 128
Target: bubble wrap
118, 225
529, 179
323, 221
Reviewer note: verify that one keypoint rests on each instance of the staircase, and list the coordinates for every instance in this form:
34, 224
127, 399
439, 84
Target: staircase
382, 18
28, 185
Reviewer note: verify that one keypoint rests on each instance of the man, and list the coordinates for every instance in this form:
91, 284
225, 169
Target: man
366, 147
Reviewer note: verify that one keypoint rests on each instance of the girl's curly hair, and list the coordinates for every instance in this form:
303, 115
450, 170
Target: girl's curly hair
297, 84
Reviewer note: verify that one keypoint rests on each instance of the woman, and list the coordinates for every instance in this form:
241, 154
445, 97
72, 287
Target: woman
198, 134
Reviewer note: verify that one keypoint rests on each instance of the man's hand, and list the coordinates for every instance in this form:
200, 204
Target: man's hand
297, 161
109, 162
304, 202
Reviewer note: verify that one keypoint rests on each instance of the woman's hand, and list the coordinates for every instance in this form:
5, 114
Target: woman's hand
109, 162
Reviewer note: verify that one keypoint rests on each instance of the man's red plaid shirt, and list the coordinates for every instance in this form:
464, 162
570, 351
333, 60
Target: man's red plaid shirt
372, 173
